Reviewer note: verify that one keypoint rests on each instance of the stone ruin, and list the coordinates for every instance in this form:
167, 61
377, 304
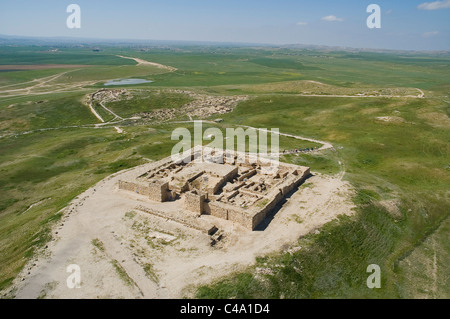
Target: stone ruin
244, 192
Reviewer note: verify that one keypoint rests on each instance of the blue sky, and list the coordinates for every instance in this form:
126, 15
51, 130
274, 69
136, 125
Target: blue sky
406, 24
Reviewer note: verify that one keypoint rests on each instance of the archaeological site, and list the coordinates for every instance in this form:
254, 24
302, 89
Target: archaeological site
229, 186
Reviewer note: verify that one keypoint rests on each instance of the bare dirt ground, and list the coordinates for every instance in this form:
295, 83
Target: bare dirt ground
144, 62
126, 253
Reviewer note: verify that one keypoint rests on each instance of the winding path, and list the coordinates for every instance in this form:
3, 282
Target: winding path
144, 62
325, 145
93, 111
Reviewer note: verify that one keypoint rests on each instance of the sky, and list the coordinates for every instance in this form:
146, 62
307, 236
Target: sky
405, 24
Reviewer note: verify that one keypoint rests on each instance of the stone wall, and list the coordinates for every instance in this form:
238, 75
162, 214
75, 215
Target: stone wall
229, 212
248, 175
216, 209
194, 202
225, 179
154, 186
135, 188
240, 216
273, 201
158, 192
163, 215
252, 218
277, 196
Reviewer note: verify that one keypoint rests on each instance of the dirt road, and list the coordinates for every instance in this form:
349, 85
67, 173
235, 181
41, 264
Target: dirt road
143, 62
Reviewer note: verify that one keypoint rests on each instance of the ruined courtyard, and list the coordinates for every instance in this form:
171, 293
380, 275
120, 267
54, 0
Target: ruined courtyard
229, 186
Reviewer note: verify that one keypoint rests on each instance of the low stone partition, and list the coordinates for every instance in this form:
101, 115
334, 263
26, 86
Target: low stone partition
156, 191
183, 222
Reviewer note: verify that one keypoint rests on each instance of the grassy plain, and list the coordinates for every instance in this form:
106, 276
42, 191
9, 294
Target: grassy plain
406, 161
50, 151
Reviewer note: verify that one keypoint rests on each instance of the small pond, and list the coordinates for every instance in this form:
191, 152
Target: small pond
127, 82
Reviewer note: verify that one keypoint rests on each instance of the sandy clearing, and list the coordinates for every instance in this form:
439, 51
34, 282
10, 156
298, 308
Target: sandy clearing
119, 130
177, 266
422, 93
390, 119
144, 62
316, 82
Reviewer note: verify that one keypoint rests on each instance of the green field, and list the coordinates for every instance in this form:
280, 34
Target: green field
51, 151
407, 161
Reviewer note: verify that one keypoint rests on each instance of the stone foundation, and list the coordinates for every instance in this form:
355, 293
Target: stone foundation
242, 193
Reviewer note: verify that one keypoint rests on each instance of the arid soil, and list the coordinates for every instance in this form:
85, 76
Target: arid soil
125, 253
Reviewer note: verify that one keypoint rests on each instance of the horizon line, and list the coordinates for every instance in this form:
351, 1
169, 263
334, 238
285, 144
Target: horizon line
250, 44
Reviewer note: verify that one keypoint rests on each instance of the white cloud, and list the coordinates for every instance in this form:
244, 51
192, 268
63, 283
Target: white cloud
302, 23
436, 5
332, 18
430, 34
389, 11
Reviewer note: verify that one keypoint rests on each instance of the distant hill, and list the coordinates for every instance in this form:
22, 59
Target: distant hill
54, 41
